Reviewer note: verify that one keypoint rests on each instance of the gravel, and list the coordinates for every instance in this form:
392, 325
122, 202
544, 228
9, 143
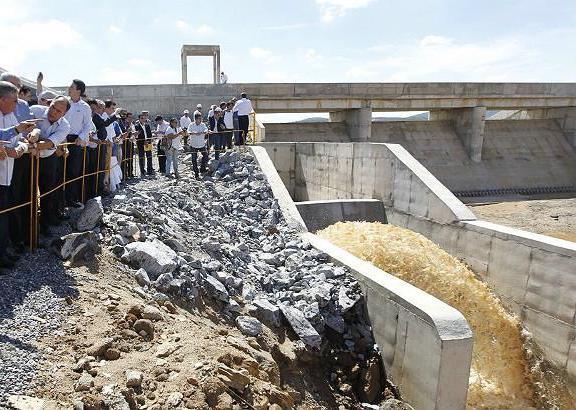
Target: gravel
32, 306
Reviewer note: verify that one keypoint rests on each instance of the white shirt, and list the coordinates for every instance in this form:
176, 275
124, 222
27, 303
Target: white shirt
223, 78
55, 132
7, 165
162, 127
228, 120
111, 133
79, 116
197, 141
176, 142
210, 113
185, 121
194, 115
243, 106
38, 110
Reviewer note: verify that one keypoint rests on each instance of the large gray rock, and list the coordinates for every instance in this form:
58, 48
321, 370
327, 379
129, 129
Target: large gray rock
301, 326
267, 312
154, 257
72, 244
249, 325
215, 289
91, 215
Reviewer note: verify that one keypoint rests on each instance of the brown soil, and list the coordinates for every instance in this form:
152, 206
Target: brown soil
279, 373
554, 217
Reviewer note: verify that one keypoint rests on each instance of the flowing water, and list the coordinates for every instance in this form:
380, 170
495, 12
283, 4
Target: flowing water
508, 371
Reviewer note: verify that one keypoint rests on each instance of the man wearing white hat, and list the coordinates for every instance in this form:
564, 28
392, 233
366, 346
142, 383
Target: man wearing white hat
185, 122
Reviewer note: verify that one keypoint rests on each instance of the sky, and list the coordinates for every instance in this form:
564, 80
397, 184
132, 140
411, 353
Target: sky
138, 42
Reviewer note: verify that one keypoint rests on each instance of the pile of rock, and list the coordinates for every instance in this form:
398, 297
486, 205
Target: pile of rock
224, 239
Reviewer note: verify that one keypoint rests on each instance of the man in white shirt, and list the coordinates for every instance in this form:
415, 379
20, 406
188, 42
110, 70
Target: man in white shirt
198, 111
197, 140
8, 101
244, 107
51, 131
161, 127
185, 121
229, 123
173, 145
223, 78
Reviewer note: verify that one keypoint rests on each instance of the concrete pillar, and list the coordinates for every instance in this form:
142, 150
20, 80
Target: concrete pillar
358, 122
568, 124
469, 126
184, 59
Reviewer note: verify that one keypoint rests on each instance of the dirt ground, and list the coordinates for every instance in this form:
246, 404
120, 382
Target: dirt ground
554, 217
182, 365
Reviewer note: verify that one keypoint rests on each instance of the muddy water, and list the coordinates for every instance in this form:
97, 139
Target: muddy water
507, 370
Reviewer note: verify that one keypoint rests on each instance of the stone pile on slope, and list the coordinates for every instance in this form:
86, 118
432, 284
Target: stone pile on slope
226, 239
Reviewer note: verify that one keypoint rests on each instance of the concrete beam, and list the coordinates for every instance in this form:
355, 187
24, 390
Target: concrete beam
469, 125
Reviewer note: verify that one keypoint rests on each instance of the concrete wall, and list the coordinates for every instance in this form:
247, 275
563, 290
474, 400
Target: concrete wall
534, 275
326, 97
319, 171
425, 344
320, 214
515, 154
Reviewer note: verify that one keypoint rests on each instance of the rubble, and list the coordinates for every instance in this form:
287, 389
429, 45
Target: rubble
91, 215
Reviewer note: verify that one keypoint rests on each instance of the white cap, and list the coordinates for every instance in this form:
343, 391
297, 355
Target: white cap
198, 105
217, 109
186, 112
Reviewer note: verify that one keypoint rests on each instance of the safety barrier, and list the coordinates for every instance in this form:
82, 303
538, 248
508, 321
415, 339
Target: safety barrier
35, 196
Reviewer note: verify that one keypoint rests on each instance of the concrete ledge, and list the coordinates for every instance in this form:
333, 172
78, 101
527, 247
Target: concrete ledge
426, 345
320, 214
287, 206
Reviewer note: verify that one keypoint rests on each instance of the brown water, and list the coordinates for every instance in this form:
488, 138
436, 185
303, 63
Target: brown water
507, 369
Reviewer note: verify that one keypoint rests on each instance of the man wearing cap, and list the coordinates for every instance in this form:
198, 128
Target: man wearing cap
185, 122
79, 116
198, 111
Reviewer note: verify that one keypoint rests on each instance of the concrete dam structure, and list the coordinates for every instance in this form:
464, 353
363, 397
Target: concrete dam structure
407, 173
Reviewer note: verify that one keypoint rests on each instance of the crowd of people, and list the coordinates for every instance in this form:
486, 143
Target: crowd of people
79, 148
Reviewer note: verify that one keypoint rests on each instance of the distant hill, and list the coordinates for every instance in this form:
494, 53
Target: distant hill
314, 119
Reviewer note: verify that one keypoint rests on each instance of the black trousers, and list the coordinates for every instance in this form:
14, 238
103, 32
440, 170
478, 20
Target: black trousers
74, 168
204, 162
47, 180
243, 124
141, 155
19, 193
102, 169
161, 159
228, 138
127, 160
91, 167
4, 219
60, 193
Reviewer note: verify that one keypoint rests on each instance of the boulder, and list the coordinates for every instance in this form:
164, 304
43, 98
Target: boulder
235, 379
133, 378
301, 326
267, 312
142, 277
91, 215
154, 257
215, 289
249, 325
75, 243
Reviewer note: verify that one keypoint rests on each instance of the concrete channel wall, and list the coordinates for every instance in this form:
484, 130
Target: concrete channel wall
426, 345
534, 275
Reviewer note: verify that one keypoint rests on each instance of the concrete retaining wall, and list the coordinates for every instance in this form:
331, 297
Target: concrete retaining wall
320, 214
534, 275
320, 171
426, 345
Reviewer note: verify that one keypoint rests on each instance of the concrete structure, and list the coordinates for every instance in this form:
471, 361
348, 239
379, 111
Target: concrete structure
200, 50
318, 215
535, 275
426, 345
515, 154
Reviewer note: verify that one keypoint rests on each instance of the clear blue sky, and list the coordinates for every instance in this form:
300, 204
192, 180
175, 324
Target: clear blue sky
134, 42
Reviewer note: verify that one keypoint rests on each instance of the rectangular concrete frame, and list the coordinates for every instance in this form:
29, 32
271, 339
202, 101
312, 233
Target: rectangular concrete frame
534, 275
426, 345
